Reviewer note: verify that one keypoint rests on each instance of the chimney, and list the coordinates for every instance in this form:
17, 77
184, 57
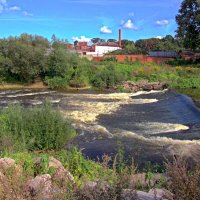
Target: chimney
120, 38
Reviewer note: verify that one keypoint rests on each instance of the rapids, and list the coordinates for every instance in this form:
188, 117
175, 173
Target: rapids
150, 126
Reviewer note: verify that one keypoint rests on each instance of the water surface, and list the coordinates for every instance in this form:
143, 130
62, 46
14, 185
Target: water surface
149, 126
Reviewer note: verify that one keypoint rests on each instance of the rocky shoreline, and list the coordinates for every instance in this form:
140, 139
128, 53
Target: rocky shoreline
55, 185
144, 86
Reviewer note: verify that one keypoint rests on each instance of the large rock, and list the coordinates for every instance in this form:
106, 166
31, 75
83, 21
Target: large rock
8, 165
154, 194
56, 164
60, 173
40, 187
144, 85
162, 194
146, 196
128, 194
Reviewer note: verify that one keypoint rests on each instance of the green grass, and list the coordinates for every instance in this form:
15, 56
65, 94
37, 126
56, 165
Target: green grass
40, 128
175, 76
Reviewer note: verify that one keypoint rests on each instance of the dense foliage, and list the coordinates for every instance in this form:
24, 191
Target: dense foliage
176, 76
143, 46
29, 58
39, 128
22, 59
188, 21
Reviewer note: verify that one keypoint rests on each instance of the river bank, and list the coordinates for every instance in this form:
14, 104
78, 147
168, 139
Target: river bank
7, 86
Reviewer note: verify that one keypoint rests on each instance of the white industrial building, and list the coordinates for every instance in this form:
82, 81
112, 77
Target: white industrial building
103, 48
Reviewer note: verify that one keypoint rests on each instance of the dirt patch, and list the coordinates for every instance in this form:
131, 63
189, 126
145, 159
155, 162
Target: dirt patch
38, 85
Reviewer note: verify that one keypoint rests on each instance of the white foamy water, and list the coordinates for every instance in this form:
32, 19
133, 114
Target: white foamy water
144, 101
35, 102
148, 92
157, 127
27, 94
55, 101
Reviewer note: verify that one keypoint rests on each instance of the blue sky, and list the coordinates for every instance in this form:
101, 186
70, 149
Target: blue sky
85, 19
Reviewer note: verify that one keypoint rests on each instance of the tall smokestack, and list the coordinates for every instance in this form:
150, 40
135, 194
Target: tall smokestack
120, 38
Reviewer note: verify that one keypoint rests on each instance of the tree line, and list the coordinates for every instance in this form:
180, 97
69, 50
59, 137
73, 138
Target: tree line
143, 46
30, 57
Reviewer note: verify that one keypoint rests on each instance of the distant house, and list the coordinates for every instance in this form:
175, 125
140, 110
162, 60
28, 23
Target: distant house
83, 47
163, 54
190, 55
99, 48
102, 48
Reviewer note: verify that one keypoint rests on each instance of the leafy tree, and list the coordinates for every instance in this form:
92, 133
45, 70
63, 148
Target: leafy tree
76, 43
96, 40
57, 43
20, 59
33, 40
112, 40
127, 44
188, 20
61, 63
168, 38
168, 43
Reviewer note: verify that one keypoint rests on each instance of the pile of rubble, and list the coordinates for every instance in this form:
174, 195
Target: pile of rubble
144, 86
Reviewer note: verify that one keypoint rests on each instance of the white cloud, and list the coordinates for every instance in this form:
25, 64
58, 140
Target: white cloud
159, 37
15, 8
81, 39
3, 4
163, 22
106, 30
129, 25
25, 13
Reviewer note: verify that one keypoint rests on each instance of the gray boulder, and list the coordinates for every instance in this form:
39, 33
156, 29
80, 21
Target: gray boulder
60, 173
40, 187
153, 194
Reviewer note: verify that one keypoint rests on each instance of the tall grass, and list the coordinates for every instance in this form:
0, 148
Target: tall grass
39, 128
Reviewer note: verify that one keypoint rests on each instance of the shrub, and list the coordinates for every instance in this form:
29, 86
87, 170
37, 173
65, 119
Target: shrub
107, 76
84, 169
187, 83
110, 58
56, 82
185, 184
39, 128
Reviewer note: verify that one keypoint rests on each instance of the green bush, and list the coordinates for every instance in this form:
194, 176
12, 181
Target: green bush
84, 169
33, 164
56, 82
187, 83
107, 76
39, 128
182, 62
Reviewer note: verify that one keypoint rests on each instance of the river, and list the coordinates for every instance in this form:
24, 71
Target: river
150, 126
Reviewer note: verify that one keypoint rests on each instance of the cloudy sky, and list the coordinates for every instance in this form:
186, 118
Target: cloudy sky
85, 19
